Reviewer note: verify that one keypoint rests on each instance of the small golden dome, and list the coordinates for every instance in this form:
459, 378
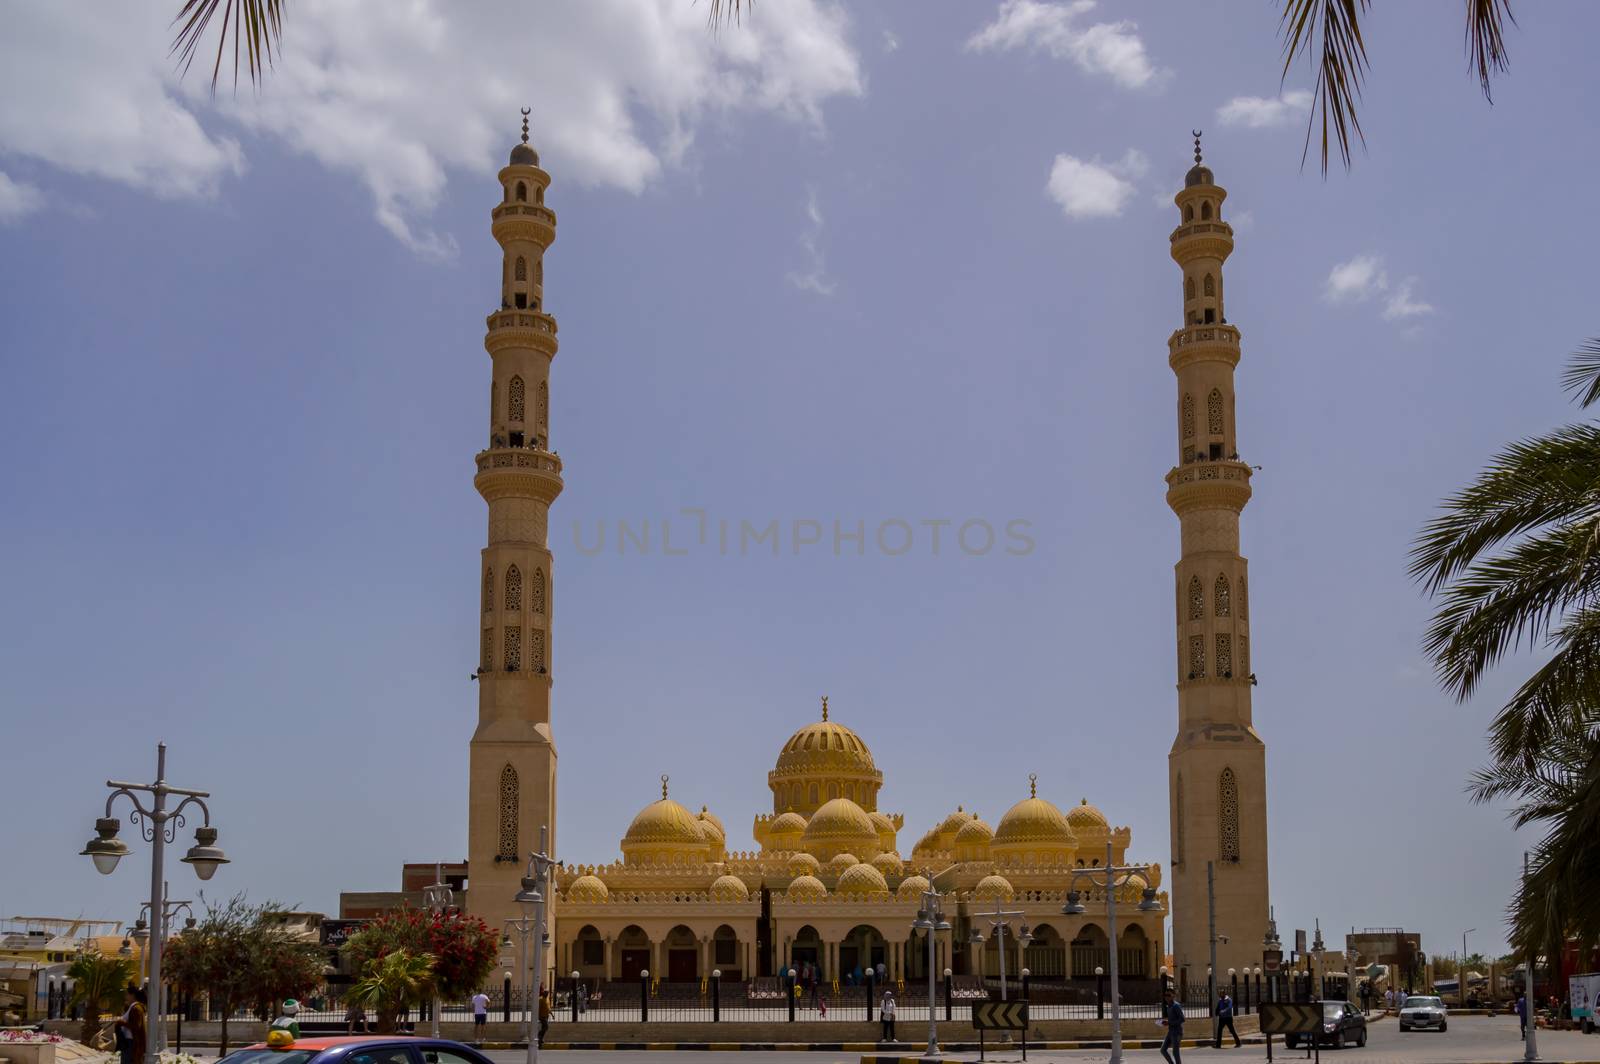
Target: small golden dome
927, 844
806, 888
862, 879
889, 864
840, 826
587, 890
709, 818
885, 827
911, 887
1086, 819
785, 831
992, 888
953, 823
974, 833
1137, 882
803, 864
729, 888
842, 862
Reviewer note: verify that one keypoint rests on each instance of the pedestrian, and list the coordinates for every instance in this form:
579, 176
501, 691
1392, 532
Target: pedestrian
1225, 1019
131, 1027
886, 1014
1172, 1020
1522, 1013
881, 973
285, 1021
354, 1014
480, 1014
544, 1016
1388, 998
583, 997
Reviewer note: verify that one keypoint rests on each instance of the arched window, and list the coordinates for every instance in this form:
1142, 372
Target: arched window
520, 272
486, 651
1210, 286
1197, 599
541, 406
536, 649
488, 589
1244, 654
1177, 823
1224, 655
814, 794
1228, 816
1205, 210
1214, 413
1244, 597
510, 812
494, 401
517, 400
1188, 416
522, 192
1222, 605
538, 591
513, 588
1197, 657
513, 648
1188, 216
1188, 288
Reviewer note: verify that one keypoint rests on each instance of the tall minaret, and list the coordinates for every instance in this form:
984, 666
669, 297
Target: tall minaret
1216, 770
513, 757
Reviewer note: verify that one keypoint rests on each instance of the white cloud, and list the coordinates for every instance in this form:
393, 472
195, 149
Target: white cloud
17, 199
891, 43
1110, 48
1094, 189
1262, 112
1242, 220
399, 95
815, 277
1365, 277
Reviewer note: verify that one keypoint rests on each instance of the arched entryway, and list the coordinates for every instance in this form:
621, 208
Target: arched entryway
1133, 952
589, 953
633, 953
805, 948
1046, 956
725, 954
861, 949
682, 955
1090, 950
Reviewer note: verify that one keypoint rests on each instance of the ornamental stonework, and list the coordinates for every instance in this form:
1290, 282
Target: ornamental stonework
1228, 816
513, 648
1220, 595
510, 810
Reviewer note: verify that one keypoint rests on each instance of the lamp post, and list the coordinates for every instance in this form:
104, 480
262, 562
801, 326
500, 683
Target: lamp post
930, 920
439, 899
1530, 1045
1113, 876
159, 826
1000, 922
535, 882
141, 933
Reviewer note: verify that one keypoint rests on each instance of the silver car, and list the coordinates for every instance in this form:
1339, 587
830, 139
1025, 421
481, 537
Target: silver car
1423, 1012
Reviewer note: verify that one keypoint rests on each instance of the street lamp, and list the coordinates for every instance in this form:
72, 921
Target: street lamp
1530, 1045
439, 899
1000, 922
1113, 876
535, 884
141, 932
159, 826
930, 919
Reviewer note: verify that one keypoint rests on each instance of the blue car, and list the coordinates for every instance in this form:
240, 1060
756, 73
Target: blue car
360, 1049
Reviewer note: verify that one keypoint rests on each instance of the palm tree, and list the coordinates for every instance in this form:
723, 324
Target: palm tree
1515, 559
98, 982
1558, 787
392, 984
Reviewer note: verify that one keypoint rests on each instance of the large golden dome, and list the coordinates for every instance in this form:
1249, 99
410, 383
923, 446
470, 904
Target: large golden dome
1034, 824
840, 826
822, 761
664, 828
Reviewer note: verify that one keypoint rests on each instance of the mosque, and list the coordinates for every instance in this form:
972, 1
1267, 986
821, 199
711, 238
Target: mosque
828, 880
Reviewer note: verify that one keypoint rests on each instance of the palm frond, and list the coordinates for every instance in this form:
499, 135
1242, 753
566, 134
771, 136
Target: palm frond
1341, 64
1486, 41
721, 11
257, 27
1583, 373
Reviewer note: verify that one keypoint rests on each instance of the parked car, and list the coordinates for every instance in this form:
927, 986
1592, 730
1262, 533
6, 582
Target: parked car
1584, 993
1418, 1013
359, 1049
1342, 1024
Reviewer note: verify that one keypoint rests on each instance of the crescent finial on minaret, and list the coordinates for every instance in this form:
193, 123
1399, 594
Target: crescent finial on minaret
1196, 133
525, 113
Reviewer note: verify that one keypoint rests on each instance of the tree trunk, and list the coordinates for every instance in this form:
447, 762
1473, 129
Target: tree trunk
91, 1025
222, 1050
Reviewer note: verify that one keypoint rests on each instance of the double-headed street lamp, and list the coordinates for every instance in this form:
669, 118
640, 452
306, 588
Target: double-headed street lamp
439, 899
930, 920
535, 888
1000, 922
159, 826
141, 934
1112, 877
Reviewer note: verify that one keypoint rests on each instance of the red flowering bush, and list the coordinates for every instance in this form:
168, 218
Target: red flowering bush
464, 949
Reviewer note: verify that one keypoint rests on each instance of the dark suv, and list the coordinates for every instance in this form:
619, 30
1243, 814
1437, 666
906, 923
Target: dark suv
1342, 1024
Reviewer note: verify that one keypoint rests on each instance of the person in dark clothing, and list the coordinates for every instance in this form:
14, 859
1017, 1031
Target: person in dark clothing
544, 1016
1225, 1021
130, 1028
1522, 1014
1173, 1021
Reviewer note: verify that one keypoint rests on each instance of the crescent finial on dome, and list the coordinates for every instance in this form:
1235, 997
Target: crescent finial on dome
1033, 785
663, 786
824, 707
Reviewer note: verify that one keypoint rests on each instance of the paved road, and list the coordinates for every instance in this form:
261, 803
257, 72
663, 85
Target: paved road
1470, 1039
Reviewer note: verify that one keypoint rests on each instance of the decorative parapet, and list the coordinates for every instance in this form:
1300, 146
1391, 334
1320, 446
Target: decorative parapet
1203, 343
527, 329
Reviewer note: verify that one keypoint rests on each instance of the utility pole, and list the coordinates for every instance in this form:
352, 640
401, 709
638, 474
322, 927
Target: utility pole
1211, 924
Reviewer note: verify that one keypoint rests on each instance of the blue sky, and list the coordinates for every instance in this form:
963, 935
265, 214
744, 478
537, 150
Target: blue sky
899, 262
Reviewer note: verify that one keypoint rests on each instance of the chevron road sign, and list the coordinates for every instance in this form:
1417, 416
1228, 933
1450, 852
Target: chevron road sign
1000, 1015
1284, 1017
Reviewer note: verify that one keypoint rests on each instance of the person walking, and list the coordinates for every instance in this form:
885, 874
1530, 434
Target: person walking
480, 1014
583, 998
1172, 1020
1225, 1020
544, 1015
131, 1027
1522, 1013
886, 1014
354, 1014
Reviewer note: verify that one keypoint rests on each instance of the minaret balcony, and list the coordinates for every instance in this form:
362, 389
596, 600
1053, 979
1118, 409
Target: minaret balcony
524, 221
521, 329
1197, 240
1203, 343
1223, 484
522, 472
